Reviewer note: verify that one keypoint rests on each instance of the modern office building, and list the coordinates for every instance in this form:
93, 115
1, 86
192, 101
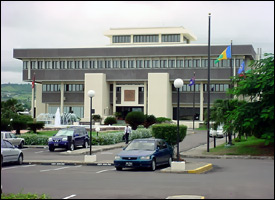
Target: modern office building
134, 73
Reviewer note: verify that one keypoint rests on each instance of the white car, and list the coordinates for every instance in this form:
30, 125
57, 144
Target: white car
13, 139
10, 154
218, 133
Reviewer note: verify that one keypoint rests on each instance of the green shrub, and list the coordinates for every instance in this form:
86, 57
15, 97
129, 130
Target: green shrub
160, 120
34, 139
35, 125
168, 132
97, 118
110, 120
149, 120
135, 119
20, 122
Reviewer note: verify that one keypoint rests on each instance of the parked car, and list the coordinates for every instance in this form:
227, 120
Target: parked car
218, 133
69, 138
9, 153
13, 139
147, 153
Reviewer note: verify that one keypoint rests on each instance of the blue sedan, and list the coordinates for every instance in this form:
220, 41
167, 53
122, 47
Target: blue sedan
147, 153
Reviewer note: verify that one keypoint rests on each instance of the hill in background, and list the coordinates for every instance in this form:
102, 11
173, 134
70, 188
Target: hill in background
21, 92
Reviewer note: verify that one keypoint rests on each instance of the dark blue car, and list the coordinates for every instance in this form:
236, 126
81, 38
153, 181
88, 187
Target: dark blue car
147, 153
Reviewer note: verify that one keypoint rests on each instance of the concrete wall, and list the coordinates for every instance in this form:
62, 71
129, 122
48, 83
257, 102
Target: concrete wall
159, 95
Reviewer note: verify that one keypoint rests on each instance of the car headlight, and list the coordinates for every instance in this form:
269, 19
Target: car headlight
145, 157
64, 139
50, 139
117, 157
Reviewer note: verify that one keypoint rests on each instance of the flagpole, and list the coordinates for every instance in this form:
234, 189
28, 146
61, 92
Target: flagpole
194, 101
208, 83
231, 86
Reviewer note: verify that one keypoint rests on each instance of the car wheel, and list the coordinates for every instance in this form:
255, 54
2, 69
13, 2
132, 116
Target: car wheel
51, 148
72, 146
20, 159
21, 145
170, 161
153, 165
85, 145
118, 168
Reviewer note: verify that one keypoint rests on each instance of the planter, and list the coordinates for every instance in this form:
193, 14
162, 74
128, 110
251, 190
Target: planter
178, 166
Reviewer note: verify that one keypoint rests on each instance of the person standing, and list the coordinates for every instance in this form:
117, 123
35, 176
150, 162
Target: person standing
127, 132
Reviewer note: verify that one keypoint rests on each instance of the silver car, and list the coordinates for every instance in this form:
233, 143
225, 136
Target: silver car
12, 138
10, 154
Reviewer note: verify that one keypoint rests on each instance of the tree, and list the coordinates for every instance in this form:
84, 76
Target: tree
135, 119
257, 85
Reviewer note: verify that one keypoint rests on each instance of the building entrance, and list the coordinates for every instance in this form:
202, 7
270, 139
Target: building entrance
123, 110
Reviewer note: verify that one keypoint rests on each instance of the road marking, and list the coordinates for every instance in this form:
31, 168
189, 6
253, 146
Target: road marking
17, 167
68, 197
46, 170
105, 170
109, 153
39, 152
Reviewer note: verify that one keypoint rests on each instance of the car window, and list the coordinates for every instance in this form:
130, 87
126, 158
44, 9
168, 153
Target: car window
141, 145
2, 135
13, 136
65, 132
8, 144
8, 135
3, 144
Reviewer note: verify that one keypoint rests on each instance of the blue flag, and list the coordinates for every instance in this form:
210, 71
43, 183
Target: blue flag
241, 69
192, 81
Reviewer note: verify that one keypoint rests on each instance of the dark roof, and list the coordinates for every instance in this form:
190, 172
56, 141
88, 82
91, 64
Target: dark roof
154, 51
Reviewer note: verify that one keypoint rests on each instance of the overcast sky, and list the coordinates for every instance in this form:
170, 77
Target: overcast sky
82, 24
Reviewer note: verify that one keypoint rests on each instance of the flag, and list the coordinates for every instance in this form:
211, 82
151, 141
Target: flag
33, 81
241, 69
224, 55
192, 81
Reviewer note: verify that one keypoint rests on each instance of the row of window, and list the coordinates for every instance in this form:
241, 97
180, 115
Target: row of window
138, 63
213, 88
148, 38
67, 87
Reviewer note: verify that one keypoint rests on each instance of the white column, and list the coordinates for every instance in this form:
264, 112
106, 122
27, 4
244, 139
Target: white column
201, 102
114, 97
61, 97
145, 98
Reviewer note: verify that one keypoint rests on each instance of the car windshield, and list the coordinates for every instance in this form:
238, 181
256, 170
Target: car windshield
65, 133
141, 145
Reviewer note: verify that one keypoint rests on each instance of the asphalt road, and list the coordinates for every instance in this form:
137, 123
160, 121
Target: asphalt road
229, 179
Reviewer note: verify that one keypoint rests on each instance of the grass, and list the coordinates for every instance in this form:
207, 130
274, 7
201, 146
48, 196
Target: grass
252, 146
24, 196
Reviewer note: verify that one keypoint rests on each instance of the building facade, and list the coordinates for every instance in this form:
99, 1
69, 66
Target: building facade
134, 73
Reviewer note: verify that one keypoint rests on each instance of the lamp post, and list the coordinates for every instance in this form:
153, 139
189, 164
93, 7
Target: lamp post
91, 94
178, 83
97, 129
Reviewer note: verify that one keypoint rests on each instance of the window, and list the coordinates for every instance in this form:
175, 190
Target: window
62, 65
77, 64
47, 64
171, 63
204, 62
155, 64
39, 64
25, 64
146, 38
100, 64
163, 64
196, 63
123, 64
74, 88
107, 64
131, 64
170, 38
92, 64
33, 64
188, 63
54, 64
70, 64
51, 88
139, 63
147, 63
122, 39
179, 63
115, 63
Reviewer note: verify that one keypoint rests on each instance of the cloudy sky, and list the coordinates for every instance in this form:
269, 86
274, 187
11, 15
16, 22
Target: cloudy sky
82, 24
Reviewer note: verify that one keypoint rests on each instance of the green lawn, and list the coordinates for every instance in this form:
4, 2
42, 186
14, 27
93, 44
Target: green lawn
252, 146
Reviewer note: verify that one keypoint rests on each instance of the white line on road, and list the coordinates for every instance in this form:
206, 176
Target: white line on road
17, 167
107, 153
39, 152
58, 168
105, 170
68, 197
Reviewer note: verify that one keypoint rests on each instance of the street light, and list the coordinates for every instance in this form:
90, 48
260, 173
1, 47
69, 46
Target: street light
91, 94
178, 83
97, 129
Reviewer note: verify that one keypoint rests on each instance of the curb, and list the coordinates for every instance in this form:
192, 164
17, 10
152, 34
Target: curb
186, 197
201, 169
228, 157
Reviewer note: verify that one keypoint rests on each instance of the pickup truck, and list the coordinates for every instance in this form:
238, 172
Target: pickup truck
13, 139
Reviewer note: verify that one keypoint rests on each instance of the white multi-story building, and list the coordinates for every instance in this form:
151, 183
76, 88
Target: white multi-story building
134, 73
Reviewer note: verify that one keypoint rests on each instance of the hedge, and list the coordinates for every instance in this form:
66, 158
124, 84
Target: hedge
168, 132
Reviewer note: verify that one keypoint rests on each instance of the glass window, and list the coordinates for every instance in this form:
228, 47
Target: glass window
139, 63
170, 38
171, 63
115, 63
146, 38
196, 63
122, 39
188, 63
155, 64
131, 64
62, 65
39, 64
100, 64
92, 64
85, 64
147, 64
107, 64
179, 63
163, 64
33, 64
25, 64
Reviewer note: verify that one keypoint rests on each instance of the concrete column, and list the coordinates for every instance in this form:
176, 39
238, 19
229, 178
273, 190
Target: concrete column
201, 102
114, 97
145, 98
61, 97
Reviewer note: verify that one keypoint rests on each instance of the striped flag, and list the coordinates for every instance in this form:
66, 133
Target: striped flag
224, 55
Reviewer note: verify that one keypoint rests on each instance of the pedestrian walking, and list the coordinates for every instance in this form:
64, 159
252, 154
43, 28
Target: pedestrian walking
127, 132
